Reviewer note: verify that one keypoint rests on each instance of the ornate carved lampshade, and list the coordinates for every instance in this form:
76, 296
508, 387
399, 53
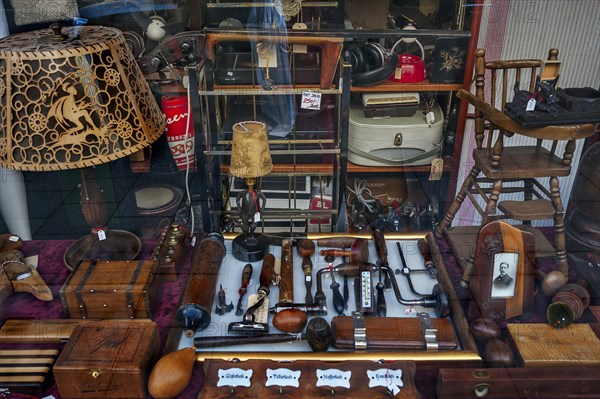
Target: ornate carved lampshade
250, 158
73, 99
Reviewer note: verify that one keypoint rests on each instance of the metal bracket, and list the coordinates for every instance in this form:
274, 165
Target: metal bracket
429, 333
360, 331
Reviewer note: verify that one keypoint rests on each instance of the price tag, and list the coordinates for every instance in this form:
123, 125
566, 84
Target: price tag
392, 379
311, 100
530, 105
398, 74
234, 377
283, 378
430, 118
257, 217
101, 235
13, 238
261, 315
437, 167
299, 48
333, 378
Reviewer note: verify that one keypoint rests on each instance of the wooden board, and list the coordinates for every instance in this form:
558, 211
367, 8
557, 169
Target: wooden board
308, 386
25, 371
543, 345
531, 382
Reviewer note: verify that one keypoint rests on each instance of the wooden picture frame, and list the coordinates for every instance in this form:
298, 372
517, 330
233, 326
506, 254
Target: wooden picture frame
504, 272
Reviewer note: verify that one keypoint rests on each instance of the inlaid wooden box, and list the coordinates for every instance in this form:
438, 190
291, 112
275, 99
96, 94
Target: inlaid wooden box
108, 359
110, 290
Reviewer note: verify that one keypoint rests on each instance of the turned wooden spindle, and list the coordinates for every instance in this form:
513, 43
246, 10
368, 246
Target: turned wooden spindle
358, 252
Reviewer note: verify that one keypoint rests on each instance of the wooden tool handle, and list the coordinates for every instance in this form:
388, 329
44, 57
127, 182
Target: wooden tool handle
335, 252
425, 252
380, 245
286, 283
267, 273
336, 242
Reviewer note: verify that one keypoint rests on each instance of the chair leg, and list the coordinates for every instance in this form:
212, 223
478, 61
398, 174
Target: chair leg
559, 227
460, 198
527, 195
490, 207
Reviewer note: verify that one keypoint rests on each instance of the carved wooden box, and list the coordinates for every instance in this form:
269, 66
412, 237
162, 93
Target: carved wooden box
108, 359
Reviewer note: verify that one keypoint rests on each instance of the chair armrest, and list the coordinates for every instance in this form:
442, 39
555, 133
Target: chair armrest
504, 122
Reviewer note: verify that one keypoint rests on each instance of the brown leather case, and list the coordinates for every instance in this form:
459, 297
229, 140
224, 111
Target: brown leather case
110, 290
392, 333
108, 359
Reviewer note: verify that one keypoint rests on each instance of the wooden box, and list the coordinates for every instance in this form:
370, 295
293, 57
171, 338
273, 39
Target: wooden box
110, 290
108, 359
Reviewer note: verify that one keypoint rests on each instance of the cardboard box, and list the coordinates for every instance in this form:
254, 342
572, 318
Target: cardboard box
110, 290
108, 359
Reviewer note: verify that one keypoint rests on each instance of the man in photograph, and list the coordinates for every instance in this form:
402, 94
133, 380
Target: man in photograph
503, 280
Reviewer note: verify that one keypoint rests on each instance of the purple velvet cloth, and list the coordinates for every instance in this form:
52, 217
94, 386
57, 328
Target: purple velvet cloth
52, 269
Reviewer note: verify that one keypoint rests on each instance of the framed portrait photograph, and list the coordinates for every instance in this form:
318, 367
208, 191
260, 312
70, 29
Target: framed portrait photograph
503, 278
505, 273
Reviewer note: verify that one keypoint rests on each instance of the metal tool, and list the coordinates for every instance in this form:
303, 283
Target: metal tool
222, 307
246, 276
437, 300
338, 300
310, 310
248, 325
406, 271
306, 249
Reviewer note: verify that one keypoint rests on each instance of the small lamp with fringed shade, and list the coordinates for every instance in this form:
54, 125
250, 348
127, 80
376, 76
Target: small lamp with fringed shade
250, 159
73, 98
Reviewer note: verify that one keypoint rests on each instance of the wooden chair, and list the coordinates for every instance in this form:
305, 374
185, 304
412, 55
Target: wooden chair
496, 163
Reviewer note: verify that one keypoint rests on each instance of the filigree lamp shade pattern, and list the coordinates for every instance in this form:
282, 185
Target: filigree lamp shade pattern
74, 101
250, 156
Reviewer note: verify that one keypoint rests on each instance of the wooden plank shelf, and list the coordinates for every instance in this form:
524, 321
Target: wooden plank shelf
353, 168
391, 86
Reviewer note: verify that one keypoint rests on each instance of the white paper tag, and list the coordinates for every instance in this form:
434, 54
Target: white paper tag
193, 243
333, 378
257, 217
13, 238
530, 105
398, 74
234, 377
365, 289
437, 167
261, 315
101, 235
430, 118
268, 59
283, 378
311, 100
392, 379
299, 48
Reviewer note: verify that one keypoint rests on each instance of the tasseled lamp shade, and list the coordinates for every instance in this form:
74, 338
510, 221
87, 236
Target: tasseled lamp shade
250, 156
74, 101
